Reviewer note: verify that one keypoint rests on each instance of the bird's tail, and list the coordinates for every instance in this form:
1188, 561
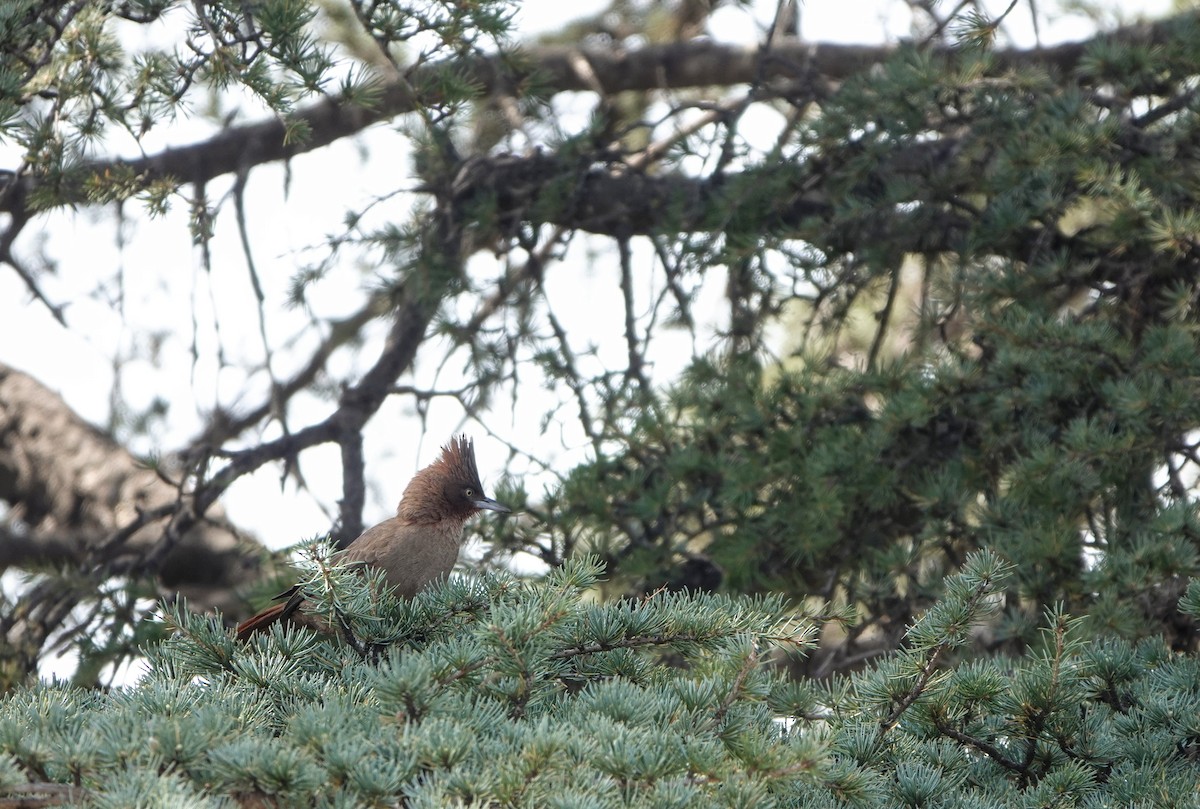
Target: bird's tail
260, 622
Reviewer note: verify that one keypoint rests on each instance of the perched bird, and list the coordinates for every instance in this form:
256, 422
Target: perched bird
417, 546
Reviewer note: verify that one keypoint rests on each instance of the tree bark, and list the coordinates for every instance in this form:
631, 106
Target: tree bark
78, 498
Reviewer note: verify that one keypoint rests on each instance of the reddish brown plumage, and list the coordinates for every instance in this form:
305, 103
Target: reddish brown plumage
260, 621
417, 546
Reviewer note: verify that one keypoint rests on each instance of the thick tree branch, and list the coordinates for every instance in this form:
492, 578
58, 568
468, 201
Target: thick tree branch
76, 491
544, 188
787, 67
26, 549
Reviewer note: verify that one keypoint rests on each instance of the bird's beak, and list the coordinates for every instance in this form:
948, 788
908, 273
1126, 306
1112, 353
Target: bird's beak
489, 504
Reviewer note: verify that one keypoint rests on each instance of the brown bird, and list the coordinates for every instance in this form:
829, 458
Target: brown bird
417, 546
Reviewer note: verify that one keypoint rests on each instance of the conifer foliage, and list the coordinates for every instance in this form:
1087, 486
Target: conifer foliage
992, 291
493, 692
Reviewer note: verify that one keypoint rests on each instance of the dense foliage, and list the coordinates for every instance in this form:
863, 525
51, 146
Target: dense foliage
994, 297
497, 693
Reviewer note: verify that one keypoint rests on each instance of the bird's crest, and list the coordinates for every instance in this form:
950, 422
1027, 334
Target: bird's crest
457, 461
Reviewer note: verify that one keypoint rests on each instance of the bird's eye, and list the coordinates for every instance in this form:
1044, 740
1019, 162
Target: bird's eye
469, 492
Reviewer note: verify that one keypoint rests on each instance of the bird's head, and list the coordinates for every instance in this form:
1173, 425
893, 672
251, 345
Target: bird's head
447, 489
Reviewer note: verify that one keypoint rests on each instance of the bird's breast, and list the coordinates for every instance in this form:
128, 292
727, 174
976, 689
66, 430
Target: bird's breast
411, 556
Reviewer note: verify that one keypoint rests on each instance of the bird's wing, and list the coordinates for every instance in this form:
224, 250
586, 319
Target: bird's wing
372, 544
287, 594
